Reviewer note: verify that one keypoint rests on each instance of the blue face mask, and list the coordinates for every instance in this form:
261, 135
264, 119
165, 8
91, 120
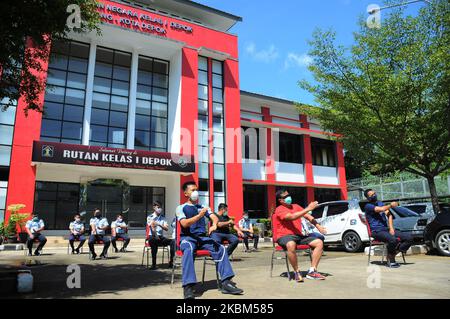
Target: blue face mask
245, 217
35, 219
288, 200
225, 213
373, 198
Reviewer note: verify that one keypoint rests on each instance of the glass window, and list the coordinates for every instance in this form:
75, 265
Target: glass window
8, 116
318, 212
5, 155
65, 92
337, 209
6, 134
289, 146
255, 201
323, 152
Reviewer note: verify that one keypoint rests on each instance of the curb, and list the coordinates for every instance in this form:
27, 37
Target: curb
413, 250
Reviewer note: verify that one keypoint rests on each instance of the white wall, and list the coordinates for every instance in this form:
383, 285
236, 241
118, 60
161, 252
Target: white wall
325, 175
174, 112
253, 169
289, 172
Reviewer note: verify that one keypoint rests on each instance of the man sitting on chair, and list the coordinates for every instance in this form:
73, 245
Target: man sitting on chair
34, 228
191, 217
76, 233
246, 227
222, 232
157, 225
119, 231
99, 225
381, 225
287, 225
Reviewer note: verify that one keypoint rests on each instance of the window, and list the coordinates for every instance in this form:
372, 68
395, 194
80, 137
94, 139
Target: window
64, 100
326, 195
318, 212
323, 152
298, 194
290, 148
255, 201
250, 147
109, 117
141, 203
56, 203
152, 104
337, 209
405, 212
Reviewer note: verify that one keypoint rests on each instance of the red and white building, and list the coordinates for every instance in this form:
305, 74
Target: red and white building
130, 115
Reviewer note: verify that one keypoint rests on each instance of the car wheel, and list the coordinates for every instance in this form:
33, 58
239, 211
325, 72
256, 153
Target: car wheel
352, 242
443, 242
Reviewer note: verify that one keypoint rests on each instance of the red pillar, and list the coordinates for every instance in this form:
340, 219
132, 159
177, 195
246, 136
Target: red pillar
189, 111
233, 142
341, 170
309, 175
271, 199
270, 156
22, 175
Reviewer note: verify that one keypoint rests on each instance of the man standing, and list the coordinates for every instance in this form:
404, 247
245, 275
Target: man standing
222, 233
157, 225
246, 227
381, 225
34, 227
191, 217
119, 230
288, 233
99, 225
76, 233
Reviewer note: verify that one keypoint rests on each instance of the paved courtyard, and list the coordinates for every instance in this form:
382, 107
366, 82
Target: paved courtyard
122, 276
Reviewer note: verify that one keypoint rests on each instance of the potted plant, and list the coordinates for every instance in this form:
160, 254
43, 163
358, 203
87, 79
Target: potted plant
17, 221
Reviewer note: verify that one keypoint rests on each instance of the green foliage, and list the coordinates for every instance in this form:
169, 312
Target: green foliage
16, 219
34, 23
388, 95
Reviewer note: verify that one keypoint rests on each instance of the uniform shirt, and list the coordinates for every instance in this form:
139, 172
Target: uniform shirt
174, 227
187, 211
160, 220
222, 218
99, 222
76, 226
283, 227
245, 224
34, 226
118, 226
377, 221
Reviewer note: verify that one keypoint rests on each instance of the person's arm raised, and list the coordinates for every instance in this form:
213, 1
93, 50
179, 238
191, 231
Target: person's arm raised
382, 209
188, 222
297, 215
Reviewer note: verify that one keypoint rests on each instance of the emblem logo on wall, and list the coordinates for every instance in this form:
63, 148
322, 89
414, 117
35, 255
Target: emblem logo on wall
182, 162
47, 151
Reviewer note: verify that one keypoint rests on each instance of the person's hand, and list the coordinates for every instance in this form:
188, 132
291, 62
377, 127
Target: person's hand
321, 229
392, 232
231, 222
312, 205
212, 228
31, 236
203, 211
240, 234
394, 204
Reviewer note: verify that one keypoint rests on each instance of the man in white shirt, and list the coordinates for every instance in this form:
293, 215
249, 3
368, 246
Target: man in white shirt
34, 227
76, 233
119, 230
99, 225
157, 225
245, 225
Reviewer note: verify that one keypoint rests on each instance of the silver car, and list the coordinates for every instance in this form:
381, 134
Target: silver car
407, 221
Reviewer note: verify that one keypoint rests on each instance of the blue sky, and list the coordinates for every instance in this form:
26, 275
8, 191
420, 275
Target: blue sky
273, 39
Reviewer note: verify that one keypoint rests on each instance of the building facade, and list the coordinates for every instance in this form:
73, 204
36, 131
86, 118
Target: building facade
153, 102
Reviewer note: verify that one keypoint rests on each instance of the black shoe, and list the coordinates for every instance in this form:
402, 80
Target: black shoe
102, 256
73, 251
153, 267
393, 264
37, 253
188, 292
170, 264
122, 250
77, 251
116, 250
228, 288
30, 254
93, 256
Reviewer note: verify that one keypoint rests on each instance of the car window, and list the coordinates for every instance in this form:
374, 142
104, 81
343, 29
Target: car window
405, 212
337, 209
318, 212
419, 209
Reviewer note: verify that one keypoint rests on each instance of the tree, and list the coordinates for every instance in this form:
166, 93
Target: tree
389, 93
26, 29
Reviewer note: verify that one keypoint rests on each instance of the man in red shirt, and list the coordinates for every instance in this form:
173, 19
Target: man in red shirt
287, 231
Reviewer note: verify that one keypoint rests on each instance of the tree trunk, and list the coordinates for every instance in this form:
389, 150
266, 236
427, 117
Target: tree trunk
433, 193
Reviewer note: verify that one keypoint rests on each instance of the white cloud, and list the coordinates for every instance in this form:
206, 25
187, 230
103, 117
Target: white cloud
263, 55
299, 60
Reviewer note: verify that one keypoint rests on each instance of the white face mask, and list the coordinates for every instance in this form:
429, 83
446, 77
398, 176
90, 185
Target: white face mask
194, 196
158, 210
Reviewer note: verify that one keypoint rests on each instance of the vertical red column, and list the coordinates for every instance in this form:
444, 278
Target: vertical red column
341, 170
309, 175
22, 175
189, 111
233, 142
270, 163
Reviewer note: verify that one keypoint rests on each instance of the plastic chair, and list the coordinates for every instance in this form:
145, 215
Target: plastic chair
278, 249
374, 242
199, 254
147, 249
35, 240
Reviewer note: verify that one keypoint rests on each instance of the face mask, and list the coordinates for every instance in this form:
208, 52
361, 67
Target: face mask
77, 220
373, 198
35, 219
288, 200
194, 196
98, 215
119, 220
158, 210
225, 213
245, 217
